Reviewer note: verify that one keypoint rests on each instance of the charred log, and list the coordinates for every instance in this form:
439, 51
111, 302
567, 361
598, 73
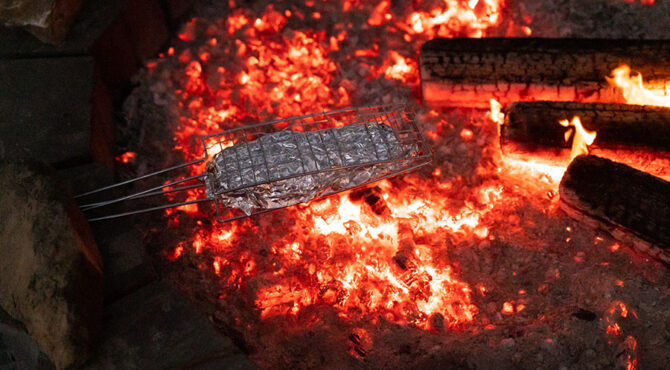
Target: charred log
631, 205
632, 134
469, 72
372, 196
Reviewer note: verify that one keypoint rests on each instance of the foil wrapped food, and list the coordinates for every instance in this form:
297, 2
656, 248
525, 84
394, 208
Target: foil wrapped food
290, 167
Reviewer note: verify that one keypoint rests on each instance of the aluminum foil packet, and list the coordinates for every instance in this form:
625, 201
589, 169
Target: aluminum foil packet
290, 167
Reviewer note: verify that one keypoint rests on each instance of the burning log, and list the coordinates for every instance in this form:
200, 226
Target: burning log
469, 72
631, 205
633, 134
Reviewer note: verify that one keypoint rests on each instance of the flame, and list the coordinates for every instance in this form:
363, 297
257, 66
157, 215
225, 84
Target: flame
495, 112
581, 138
547, 173
633, 88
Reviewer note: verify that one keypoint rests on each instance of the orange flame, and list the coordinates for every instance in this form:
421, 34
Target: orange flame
495, 112
581, 138
633, 88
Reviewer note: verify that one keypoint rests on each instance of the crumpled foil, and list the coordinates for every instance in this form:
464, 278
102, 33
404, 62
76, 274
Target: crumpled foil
290, 167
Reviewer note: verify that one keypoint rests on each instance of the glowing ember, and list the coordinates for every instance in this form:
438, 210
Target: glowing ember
400, 70
455, 17
126, 157
175, 254
508, 308
581, 139
389, 270
614, 329
633, 88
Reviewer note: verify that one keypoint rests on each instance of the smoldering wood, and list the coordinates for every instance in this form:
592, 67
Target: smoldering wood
631, 205
633, 134
469, 72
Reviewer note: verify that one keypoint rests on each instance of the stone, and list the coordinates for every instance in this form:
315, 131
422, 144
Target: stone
146, 21
50, 268
45, 109
48, 20
177, 8
156, 327
85, 177
127, 265
17, 349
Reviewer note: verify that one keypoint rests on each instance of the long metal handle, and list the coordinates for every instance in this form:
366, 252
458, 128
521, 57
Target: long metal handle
153, 191
157, 208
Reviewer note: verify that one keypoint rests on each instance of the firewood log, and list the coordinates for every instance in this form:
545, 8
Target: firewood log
633, 206
633, 134
469, 72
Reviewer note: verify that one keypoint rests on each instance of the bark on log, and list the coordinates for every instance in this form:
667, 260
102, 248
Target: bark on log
633, 134
469, 72
631, 205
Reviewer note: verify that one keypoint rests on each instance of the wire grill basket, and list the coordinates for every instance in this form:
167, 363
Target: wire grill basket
257, 168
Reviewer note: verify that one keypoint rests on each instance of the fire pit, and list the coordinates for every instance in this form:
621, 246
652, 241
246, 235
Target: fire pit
470, 263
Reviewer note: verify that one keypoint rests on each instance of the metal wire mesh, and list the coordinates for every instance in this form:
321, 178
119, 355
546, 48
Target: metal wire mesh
248, 163
385, 158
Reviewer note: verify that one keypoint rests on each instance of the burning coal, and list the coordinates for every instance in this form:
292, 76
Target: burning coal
431, 251
356, 252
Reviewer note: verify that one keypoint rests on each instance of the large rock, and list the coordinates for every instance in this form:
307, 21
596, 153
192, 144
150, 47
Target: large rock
45, 109
156, 327
49, 20
18, 350
50, 268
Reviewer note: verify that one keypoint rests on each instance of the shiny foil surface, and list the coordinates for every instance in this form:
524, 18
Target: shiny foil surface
290, 167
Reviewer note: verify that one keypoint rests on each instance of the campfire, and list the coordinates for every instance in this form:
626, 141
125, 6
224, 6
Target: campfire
475, 261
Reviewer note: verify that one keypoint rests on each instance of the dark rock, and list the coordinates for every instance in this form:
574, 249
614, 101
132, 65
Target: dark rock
48, 20
80, 179
17, 349
115, 56
102, 123
147, 24
45, 109
585, 315
50, 268
127, 266
94, 17
177, 8
158, 328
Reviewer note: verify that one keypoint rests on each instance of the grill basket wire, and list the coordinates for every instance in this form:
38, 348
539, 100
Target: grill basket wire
401, 119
